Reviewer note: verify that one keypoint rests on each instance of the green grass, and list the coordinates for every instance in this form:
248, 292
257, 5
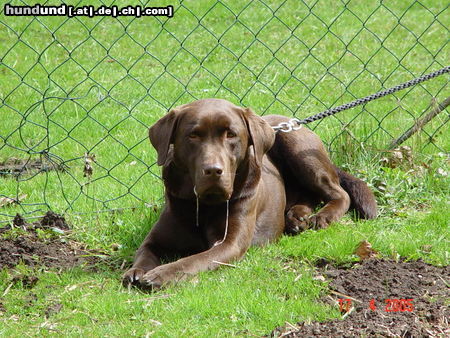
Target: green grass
207, 307
270, 286
285, 57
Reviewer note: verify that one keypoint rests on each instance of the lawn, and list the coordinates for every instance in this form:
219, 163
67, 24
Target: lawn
93, 85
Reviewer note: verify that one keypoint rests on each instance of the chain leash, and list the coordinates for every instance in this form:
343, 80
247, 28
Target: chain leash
295, 124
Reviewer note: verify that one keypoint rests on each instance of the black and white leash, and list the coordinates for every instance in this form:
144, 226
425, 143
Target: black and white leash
295, 124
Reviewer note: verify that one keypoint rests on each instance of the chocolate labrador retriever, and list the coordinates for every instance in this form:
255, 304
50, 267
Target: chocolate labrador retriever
231, 182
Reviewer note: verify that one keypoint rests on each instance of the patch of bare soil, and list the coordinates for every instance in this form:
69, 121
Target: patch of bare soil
43, 242
18, 166
383, 298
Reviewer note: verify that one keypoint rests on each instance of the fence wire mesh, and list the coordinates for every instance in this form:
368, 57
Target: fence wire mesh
77, 94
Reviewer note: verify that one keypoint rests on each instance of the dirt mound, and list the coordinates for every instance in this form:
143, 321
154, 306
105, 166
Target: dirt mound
19, 166
383, 298
42, 243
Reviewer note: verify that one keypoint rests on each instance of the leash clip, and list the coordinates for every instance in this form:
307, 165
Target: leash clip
287, 127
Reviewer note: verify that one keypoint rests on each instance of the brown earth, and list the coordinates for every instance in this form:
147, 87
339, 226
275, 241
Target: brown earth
386, 299
42, 243
381, 292
19, 166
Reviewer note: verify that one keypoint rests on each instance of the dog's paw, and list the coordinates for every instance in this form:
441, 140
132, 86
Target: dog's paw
133, 277
295, 224
318, 221
162, 275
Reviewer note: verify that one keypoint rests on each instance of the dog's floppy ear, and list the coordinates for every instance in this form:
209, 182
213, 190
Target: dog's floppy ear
161, 135
262, 136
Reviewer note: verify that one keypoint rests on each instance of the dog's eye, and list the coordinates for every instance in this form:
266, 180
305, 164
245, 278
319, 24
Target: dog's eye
230, 134
193, 136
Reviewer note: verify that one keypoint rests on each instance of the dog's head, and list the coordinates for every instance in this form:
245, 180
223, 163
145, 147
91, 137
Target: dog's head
211, 139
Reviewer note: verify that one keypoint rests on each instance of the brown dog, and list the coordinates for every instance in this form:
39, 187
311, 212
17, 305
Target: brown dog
231, 182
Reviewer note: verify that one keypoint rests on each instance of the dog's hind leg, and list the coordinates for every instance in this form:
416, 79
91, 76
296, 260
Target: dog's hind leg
297, 216
305, 164
300, 216
336, 199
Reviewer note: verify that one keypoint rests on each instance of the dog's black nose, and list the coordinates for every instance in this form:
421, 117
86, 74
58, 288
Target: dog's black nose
213, 170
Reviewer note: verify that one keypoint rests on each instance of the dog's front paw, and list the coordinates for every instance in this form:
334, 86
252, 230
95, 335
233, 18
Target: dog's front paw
133, 276
162, 275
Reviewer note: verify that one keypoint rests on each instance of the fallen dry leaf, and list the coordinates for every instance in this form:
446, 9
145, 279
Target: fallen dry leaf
427, 248
397, 157
441, 172
88, 160
6, 201
365, 251
319, 278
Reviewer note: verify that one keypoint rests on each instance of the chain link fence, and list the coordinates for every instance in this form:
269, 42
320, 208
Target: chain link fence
77, 94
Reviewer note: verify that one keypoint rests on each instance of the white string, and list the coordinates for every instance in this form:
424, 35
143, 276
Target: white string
226, 225
196, 213
226, 220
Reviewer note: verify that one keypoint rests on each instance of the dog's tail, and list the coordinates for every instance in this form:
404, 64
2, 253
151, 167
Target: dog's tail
361, 197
